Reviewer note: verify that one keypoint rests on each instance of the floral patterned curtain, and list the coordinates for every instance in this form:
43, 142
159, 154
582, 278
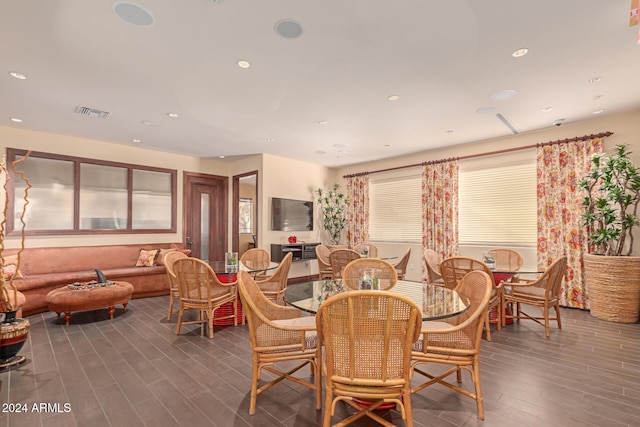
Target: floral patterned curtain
440, 208
357, 209
560, 231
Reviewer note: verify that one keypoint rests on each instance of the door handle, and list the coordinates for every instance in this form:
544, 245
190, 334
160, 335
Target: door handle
189, 242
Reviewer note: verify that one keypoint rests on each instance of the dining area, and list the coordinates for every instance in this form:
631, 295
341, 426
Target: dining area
366, 337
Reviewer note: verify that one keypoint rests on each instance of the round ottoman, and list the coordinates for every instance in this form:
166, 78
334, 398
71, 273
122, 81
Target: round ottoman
66, 300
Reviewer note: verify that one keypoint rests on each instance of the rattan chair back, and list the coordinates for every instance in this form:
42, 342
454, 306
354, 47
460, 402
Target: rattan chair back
256, 256
200, 290
401, 266
174, 294
373, 250
432, 260
324, 265
387, 274
278, 334
339, 258
367, 339
506, 259
275, 286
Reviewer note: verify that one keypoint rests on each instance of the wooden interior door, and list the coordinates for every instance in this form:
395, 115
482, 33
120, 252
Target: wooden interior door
205, 215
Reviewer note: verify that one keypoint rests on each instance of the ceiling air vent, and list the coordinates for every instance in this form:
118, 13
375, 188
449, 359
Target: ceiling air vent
92, 112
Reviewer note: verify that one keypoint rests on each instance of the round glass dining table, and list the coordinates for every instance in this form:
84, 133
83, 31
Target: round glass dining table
435, 302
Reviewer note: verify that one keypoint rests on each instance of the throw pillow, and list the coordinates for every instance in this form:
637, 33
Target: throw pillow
10, 268
147, 258
9, 271
162, 253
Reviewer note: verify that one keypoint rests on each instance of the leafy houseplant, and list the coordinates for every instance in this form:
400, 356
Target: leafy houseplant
612, 274
334, 210
611, 203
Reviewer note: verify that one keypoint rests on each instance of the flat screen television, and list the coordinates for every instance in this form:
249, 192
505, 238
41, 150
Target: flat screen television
291, 215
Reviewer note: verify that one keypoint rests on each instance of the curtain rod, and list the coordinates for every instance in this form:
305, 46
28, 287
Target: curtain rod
489, 153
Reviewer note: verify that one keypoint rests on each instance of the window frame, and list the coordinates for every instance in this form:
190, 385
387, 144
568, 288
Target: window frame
13, 153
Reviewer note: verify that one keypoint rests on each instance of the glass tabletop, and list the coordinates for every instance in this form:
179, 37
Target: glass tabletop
220, 267
435, 302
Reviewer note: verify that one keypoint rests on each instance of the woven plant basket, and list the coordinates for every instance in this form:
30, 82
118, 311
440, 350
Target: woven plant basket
613, 286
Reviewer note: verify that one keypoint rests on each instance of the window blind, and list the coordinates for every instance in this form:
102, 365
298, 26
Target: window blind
497, 204
395, 207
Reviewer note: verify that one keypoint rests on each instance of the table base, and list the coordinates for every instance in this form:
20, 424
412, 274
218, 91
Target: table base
227, 310
493, 316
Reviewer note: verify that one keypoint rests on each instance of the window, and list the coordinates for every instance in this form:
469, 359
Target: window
246, 216
497, 200
70, 195
395, 206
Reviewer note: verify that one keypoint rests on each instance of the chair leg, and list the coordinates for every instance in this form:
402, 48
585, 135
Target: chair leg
499, 319
487, 327
254, 385
328, 407
171, 302
557, 307
476, 383
180, 314
210, 323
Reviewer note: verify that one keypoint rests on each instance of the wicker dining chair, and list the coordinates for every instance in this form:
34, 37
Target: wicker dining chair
362, 247
507, 260
367, 339
174, 292
401, 266
278, 334
275, 286
432, 260
455, 268
256, 256
387, 278
544, 292
339, 258
324, 265
201, 290
458, 344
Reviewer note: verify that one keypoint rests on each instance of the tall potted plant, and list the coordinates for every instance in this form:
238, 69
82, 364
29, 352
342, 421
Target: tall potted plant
612, 274
334, 211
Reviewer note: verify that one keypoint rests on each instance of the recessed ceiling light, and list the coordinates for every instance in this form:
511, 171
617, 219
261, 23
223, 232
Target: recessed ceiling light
173, 115
594, 80
597, 97
504, 95
598, 111
135, 140
322, 122
547, 109
393, 97
387, 145
243, 64
321, 152
221, 157
17, 75
15, 120
448, 131
339, 146
519, 52
270, 140
148, 123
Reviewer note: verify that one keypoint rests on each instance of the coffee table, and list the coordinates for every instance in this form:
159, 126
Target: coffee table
66, 300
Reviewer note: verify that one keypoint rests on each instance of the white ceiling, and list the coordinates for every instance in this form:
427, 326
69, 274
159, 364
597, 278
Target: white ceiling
444, 59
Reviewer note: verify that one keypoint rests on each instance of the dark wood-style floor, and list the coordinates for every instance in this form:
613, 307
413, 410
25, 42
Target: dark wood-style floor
134, 371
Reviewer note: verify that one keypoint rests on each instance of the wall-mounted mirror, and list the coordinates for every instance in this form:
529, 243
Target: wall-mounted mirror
245, 212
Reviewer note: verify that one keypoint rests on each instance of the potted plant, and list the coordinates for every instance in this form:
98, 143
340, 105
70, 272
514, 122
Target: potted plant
13, 330
612, 274
334, 211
